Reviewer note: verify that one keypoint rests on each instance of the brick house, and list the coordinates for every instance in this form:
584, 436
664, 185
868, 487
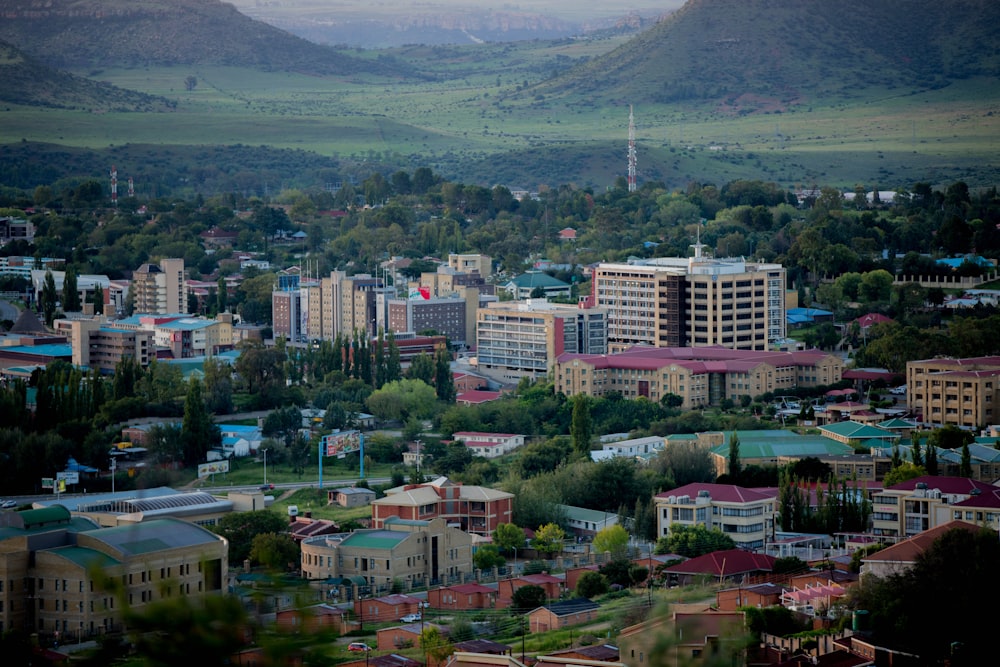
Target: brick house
386, 608
474, 509
703, 631
573, 575
309, 620
462, 596
731, 564
404, 636
760, 595
552, 586
562, 614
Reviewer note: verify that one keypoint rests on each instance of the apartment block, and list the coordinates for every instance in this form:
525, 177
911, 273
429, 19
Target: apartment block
960, 392
159, 288
448, 316
524, 338
922, 503
746, 515
415, 552
696, 301
481, 264
700, 376
101, 346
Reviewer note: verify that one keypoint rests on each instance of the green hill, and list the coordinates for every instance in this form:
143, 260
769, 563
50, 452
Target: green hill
767, 54
31, 83
84, 34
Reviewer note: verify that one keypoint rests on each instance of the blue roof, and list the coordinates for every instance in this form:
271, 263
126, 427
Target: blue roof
955, 262
188, 324
808, 312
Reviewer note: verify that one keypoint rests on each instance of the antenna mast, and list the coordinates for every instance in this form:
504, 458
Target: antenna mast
114, 185
631, 150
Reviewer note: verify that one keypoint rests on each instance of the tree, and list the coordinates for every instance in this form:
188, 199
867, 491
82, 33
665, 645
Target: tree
400, 399
612, 539
422, 367
275, 551
591, 584
965, 467
49, 297
487, 556
239, 529
549, 539
173, 631
508, 537
221, 295
190, 83
904, 472
527, 598
198, 432
582, 425
692, 541
70, 293
444, 380
218, 386
734, 458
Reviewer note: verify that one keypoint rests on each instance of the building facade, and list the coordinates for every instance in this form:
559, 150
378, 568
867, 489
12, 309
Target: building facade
524, 339
961, 392
159, 289
475, 509
700, 376
697, 301
911, 507
417, 553
745, 515
101, 346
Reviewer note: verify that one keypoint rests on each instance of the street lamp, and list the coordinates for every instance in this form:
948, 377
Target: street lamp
265, 465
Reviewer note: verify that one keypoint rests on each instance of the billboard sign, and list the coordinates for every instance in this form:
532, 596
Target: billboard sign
212, 467
69, 477
341, 443
48, 483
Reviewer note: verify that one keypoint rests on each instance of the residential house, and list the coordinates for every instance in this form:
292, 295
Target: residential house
489, 445
745, 515
386, 608
732, 564
462, 597
529, 284
313, 619
474, 509
351, 496
553, 587
585, 523
404, 636
562, 614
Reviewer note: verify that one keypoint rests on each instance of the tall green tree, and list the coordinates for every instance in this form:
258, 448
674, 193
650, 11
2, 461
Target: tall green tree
965, 467
444, 381
581, 425
70, 292
198, 431
735, 466
48, 298
508, 537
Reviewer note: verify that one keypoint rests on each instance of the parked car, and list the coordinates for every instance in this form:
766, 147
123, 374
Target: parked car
267, 487
8, 504
411, 618
358, 647
898, 390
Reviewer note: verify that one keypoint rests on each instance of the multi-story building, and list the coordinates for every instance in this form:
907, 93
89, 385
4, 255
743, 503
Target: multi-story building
489, 445
448, 316
54, 568
961, 392
159, 288
524, 339
701, 376
101, 346
481, 264
698, 301
415, 552
746, 515
340, 304
474, 509
919, 504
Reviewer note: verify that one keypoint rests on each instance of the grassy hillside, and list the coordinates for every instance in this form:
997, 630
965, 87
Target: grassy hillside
87, 34
29, 82
778, 53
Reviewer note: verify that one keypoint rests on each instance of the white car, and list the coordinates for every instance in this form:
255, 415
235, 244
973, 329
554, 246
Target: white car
8, 504
411, 618
898, 390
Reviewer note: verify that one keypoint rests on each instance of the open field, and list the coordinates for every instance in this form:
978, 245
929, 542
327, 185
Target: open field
479, 117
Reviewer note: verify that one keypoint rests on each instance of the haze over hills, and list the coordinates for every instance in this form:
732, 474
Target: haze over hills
767, 54
86, 34
30, 82
373, 25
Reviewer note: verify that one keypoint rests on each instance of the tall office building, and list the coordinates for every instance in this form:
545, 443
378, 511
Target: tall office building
159, 289
695, 301
342, 304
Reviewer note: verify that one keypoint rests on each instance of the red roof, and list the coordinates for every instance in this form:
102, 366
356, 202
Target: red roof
908, 550
476, 396
872, 319
950, 485
468, 589
697, 360
726, 493
985, 500
725, 563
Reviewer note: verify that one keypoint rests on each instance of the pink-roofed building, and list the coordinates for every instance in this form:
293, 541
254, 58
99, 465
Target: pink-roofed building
961, 392
477, 397
489, 445
746, 515
566, 234
553, 587
731, 564
690, 372
869, 320
917, 505
386, 608
982, 509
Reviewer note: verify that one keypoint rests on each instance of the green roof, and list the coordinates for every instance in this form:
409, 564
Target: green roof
795, 446
537, 279
897, 423
583, 514
152, 536
85, 557
849, 429
375, 539
45, 515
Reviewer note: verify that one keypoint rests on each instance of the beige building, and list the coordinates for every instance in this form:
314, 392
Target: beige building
518, 339
101, 346
54, 568
697, 301
911, 507
745, 515
961, 392
341, 304
699, 376
417, 553
481, 264
159, 289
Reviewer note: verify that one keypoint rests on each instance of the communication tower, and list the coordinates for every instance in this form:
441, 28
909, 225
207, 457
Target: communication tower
114, 185
631, 150
131, 187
